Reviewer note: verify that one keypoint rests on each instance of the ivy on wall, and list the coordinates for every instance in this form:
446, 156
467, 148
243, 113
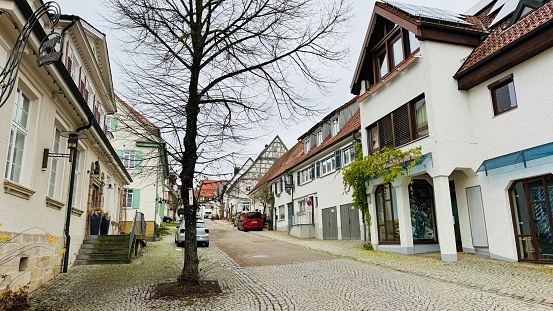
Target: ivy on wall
387, 164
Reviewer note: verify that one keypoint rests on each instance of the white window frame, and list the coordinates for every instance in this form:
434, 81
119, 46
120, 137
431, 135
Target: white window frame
306, 145
328, 165
55, 166
319, 138
129, 158
12, 163
128, 193
335, 127
281, 213
77, 176
306, 175
349, 154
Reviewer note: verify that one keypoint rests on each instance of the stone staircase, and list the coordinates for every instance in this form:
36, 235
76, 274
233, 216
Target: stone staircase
106, 249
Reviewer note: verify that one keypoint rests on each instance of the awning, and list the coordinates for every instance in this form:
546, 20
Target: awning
522, 156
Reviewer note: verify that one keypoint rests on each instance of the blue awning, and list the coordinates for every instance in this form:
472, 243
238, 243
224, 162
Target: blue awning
522, 156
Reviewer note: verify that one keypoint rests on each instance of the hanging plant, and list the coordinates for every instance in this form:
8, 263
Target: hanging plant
387, 164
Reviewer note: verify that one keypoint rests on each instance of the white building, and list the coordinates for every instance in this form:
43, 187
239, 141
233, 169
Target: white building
473, 91
307, 183
237, 194
142, 150
72, 94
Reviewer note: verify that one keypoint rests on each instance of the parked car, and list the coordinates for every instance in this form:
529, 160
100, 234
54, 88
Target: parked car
202, 234
167, 219
214, 216
207, 215
250, 221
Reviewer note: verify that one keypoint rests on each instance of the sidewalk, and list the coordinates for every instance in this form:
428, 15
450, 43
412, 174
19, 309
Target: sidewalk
520, 280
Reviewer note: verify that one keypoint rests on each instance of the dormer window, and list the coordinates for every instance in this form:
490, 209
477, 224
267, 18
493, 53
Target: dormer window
394, 48
319, 138
335, 127
306, 146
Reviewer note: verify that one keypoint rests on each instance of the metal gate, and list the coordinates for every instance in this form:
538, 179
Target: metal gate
330, 224
349, 220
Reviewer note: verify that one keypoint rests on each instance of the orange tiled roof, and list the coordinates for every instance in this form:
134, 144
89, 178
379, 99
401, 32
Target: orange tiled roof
501, 38
152, 127
207, 188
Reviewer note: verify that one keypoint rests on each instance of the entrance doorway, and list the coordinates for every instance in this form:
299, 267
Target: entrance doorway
532, 218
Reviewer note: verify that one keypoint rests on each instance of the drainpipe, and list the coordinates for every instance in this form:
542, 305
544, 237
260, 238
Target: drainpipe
357, 140
70, 199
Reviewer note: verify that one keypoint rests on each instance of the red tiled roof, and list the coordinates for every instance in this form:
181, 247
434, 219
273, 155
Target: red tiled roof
295, 155
207, 188
500, 38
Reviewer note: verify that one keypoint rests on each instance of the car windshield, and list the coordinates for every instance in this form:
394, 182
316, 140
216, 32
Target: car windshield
200, 225
252, 215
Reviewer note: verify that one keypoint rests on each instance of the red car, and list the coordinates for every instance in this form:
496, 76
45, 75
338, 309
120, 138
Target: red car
250, 221
214, 216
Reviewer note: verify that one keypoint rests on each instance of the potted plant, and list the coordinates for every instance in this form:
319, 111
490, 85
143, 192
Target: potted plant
105, 223
95, 220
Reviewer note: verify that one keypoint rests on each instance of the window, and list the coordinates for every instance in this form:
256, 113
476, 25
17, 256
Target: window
335, 126
397, 51
131, 198
414, 43
76, 180
328, 165
130, 158
349, 154
245, 206
127, 198
403, 125
54, 164
301, 206
18, 135
503, 95
306, 174
281, 212
421, 201
319, 138
248, 188
381, 64
421, 120
388, 225
306, 146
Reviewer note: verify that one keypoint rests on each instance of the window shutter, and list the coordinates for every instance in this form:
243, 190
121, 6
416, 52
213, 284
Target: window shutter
114, 123
120, 154
136, 198
338, 156
299, 178
138, 159
385, 127
402, 130
312, 171
318, 169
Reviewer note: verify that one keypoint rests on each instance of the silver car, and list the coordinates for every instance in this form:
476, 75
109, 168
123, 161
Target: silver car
202, 233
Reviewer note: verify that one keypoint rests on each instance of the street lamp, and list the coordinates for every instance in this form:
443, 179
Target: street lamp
72, 142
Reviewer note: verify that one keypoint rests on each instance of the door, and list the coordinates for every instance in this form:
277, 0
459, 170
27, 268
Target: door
330, 223
532, 217
349, 221
290, 215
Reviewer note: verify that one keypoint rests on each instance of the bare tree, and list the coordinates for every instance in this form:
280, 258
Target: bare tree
208, 72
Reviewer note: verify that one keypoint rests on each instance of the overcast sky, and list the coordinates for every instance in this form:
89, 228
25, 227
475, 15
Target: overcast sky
362, 9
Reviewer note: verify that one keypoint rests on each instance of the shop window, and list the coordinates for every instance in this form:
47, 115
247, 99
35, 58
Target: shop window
423, 219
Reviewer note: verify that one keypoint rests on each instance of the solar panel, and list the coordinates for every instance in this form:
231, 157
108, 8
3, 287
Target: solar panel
478, 7
429, 13
508, 8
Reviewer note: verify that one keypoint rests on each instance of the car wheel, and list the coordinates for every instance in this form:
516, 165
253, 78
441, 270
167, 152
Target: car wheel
245, 230
206, 244
180, 244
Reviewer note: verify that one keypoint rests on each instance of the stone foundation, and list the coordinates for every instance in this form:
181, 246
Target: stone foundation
28, 259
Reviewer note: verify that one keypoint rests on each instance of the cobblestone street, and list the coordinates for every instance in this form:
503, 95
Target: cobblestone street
355, 280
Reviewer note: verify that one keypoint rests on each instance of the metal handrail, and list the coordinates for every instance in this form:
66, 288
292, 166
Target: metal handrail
131, 234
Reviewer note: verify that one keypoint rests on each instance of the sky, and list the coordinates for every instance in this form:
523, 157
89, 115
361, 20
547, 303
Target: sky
91, 11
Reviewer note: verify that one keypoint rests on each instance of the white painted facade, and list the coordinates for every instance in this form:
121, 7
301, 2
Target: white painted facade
463, 133
34, 201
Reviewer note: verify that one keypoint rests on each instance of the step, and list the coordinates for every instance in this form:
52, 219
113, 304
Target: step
86, 251
103, 256
81, 262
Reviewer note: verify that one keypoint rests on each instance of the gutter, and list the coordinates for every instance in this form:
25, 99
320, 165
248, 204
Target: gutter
41, 34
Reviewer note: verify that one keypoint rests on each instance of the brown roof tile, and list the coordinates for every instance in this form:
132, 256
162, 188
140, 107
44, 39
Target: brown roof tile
500, 38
